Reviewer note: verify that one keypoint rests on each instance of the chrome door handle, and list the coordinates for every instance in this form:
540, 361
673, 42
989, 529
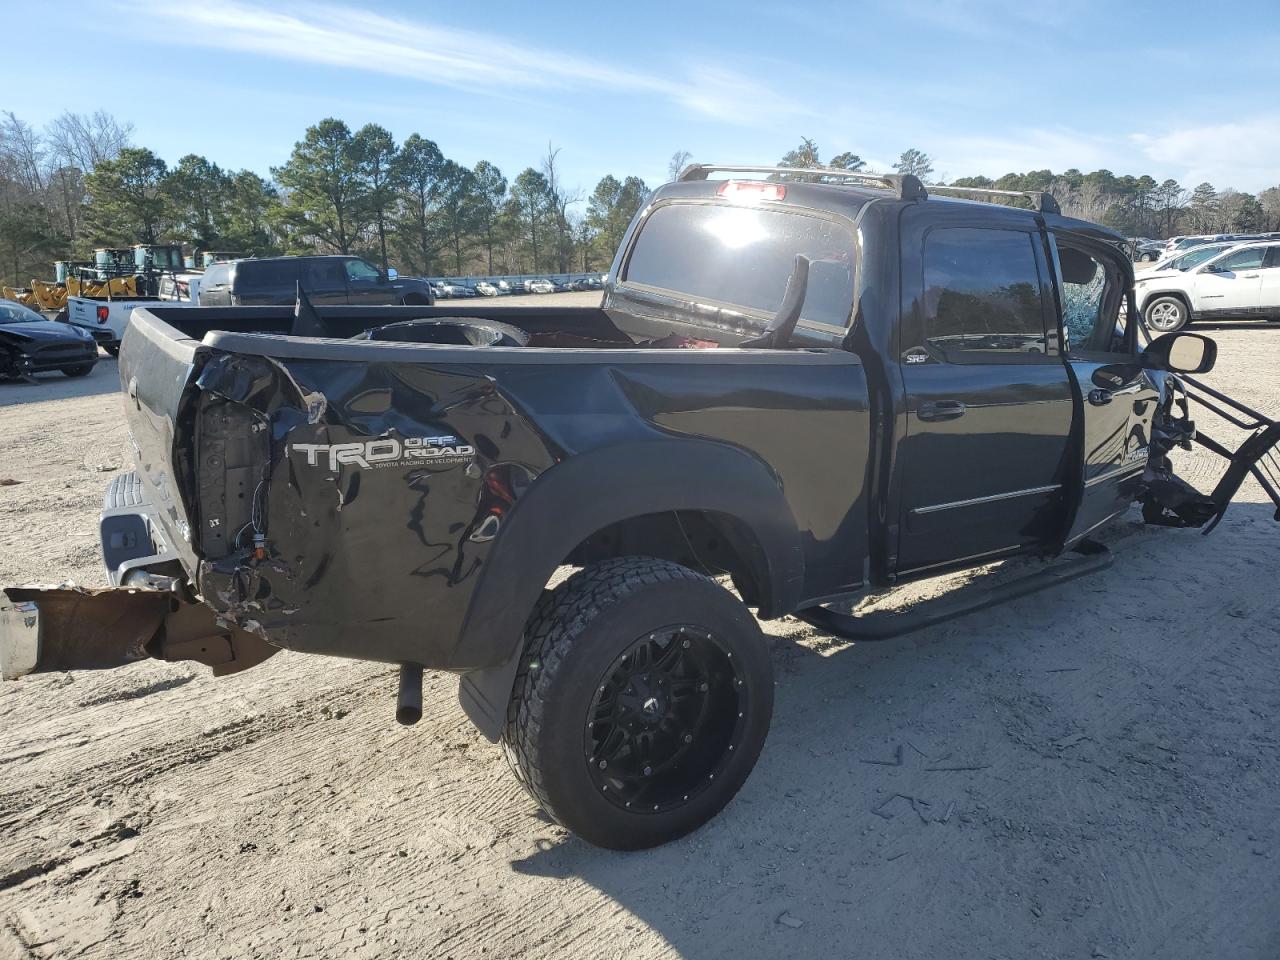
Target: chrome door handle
932, 411
1101, 397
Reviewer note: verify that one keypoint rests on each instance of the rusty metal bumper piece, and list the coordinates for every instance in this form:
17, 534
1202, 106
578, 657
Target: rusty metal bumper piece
46, 629
72, 628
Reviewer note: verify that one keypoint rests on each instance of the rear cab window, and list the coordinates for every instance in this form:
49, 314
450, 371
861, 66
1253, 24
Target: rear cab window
740, 257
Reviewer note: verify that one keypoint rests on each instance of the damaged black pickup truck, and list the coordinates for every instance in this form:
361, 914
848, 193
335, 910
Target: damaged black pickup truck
807, 385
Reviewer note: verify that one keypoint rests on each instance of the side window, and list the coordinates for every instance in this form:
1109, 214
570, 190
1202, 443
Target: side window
324, 274
1273, 257
1248, 259
360, 271
982, 296
255, 275
1094, 311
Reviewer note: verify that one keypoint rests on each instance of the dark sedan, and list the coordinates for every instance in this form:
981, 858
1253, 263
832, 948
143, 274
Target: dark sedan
31, 344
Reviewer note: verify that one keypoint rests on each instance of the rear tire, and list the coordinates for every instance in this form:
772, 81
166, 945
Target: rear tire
113, 349
79, 370
1166, 314
642, 701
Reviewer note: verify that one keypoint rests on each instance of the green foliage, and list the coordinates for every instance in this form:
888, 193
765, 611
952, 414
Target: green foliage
127, 199
326, 202
80, 184
914, 162
609, 211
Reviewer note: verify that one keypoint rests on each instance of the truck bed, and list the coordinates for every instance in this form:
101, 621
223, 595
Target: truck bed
408, 502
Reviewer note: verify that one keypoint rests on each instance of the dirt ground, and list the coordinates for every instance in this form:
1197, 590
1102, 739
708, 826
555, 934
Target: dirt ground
1096, 773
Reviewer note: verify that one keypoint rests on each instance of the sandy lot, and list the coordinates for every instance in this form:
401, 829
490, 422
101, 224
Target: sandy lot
1096, 773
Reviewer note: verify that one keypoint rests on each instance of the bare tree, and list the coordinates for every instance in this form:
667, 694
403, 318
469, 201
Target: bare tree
85, 140
679, 160
559, 199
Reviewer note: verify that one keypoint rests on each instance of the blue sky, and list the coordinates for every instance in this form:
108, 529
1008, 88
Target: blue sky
1172, 89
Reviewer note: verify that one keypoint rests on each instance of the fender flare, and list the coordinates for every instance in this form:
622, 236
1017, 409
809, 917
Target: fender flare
588, 492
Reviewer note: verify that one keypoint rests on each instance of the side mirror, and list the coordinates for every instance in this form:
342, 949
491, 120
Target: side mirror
1181, 353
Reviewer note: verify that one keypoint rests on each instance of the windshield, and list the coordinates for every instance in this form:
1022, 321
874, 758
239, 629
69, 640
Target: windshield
15, 313
1197, 256
742, 256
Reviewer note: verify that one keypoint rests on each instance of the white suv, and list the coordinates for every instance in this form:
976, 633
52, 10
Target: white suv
1243, 281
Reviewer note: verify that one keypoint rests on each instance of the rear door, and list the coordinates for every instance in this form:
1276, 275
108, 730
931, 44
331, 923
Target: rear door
324, 280
1118, 397
989, 398
265, 282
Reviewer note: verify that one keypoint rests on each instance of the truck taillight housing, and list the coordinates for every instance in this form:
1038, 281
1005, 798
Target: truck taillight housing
102, 314
750, 191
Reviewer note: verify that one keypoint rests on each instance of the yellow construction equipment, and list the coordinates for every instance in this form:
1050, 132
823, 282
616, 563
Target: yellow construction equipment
100, 289
24, 297
50, 296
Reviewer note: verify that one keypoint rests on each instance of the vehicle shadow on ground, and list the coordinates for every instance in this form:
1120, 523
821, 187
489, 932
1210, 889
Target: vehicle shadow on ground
928, 796
55, 386
1208, 326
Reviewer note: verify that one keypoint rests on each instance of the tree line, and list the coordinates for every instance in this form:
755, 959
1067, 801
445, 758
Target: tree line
82, 183
1136, 206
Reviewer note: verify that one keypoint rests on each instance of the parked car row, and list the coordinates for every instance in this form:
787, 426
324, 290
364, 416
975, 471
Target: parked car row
501, 287
1212, 281
1178, 244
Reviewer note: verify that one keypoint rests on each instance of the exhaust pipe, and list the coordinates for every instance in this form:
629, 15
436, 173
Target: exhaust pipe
409, 704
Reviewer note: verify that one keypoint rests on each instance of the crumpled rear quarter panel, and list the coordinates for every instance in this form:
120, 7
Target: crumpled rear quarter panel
367, 562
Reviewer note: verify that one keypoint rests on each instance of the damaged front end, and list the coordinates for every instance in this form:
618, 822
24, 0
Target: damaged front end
1167, 499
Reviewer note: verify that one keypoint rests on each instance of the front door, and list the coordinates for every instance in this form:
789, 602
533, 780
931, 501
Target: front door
1230, 283
1118, 398
989, 398
366, 285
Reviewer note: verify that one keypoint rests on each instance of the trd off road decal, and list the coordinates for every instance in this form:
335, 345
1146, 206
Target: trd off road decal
387, 452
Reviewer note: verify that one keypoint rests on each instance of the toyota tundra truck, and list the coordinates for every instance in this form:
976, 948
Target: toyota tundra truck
801, 386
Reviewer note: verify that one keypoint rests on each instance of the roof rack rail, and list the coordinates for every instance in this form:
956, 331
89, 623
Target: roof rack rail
906, 186
1042, 200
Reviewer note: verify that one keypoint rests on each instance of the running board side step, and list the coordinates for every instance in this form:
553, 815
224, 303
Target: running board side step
884, 625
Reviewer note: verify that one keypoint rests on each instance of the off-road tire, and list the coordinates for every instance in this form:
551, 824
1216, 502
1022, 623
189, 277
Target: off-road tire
79, 370
1162, 307
575, 634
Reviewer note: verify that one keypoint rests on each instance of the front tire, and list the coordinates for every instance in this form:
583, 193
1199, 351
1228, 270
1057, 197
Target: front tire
1166, 314
642, 701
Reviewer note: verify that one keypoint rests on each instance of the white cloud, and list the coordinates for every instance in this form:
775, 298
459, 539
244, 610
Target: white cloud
354, 38
1242, 153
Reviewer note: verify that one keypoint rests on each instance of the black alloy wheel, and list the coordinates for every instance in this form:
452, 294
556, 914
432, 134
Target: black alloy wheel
641, 702
665, 720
